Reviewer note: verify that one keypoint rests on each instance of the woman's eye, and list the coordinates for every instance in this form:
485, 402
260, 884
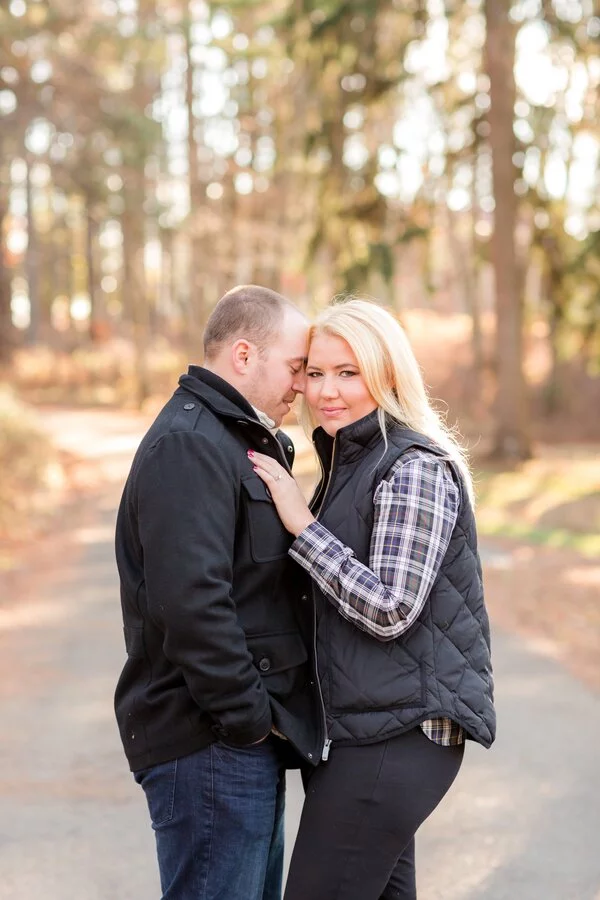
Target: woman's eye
346, 373
313, 374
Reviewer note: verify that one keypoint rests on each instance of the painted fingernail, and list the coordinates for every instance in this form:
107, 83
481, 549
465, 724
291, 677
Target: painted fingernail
250, 453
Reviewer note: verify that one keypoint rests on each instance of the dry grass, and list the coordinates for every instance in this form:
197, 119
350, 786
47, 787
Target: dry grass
553, 500
32, 476
103, 375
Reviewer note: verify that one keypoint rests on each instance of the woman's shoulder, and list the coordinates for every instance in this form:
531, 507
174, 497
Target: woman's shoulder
420, 463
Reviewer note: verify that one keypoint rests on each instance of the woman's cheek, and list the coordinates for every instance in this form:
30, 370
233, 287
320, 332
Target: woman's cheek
311, 391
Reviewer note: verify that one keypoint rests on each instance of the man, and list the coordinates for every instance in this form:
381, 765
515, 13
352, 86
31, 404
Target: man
217, 669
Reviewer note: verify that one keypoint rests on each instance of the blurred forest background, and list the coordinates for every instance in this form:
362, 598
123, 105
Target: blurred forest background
439, 156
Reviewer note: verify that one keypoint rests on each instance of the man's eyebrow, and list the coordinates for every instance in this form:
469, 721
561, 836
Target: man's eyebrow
298, 359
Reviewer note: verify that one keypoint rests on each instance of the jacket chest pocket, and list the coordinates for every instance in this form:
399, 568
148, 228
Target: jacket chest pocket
269, 540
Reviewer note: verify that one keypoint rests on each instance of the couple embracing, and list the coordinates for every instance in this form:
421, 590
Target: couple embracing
347, 637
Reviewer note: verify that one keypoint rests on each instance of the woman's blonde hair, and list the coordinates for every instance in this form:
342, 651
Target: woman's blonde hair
391, 373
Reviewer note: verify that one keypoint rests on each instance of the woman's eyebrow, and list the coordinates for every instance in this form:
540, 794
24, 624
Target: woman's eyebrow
341, 366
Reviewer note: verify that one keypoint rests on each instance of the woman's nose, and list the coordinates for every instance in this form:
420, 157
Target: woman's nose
329, 387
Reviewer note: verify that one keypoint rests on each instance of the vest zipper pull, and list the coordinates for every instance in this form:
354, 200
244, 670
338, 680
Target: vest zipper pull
326, 748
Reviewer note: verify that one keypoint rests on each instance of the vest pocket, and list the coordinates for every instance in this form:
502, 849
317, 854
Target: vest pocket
384, 688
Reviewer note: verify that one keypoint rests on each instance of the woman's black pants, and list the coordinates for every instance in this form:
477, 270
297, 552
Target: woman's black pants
360, 815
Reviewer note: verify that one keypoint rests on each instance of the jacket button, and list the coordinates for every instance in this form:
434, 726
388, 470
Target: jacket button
264, 440
264, 664
290, 448
304, 598
189, 405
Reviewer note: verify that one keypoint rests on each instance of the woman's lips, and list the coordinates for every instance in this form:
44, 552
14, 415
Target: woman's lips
332, 410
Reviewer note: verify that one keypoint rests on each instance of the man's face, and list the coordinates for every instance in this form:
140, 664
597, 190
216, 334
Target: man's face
279, 375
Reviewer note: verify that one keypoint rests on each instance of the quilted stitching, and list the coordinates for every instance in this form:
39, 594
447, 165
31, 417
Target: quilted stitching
453, 641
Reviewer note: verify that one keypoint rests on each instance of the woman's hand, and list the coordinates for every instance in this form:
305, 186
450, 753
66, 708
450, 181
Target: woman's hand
287, 497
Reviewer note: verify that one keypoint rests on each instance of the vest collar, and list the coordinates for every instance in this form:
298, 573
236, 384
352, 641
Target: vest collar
350, 441
355, 440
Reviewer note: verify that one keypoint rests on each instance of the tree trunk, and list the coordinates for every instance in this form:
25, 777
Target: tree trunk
7, 330
554, 268
198, 255
98, 329
464, 261
32, 263
512, 437
134, 284
473, 292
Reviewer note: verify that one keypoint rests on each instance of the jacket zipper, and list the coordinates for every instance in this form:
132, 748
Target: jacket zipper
280, 450
327, 741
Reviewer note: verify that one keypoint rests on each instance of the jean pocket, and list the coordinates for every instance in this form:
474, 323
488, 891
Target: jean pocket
257, 749
158, 783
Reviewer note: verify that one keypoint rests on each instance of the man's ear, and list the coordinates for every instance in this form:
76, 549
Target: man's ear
242, 354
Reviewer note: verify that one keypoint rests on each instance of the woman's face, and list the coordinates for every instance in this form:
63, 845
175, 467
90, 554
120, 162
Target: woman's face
334, 388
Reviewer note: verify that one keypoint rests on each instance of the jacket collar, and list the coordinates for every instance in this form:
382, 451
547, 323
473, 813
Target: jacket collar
216, 393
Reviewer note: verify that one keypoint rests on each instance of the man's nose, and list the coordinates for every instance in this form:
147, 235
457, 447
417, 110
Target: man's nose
298, 382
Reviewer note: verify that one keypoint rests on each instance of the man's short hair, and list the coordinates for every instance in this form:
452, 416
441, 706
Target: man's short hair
246, 311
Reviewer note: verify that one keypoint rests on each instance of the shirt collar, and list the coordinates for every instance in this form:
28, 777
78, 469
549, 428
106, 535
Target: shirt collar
264, 419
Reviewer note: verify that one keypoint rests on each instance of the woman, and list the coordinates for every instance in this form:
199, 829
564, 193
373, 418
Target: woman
402, 632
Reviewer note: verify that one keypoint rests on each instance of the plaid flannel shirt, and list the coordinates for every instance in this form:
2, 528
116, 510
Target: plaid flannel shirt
416, 507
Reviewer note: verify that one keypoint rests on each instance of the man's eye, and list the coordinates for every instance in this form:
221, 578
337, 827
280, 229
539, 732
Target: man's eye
296, 370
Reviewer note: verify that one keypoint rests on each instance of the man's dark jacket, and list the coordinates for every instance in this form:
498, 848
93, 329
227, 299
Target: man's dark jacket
215, 648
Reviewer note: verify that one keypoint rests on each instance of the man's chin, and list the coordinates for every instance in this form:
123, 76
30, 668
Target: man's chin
280, 416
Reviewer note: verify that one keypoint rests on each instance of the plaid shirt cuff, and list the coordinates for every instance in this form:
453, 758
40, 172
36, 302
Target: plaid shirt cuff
316, 545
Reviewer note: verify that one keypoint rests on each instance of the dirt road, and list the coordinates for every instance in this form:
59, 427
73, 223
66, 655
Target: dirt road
522, 821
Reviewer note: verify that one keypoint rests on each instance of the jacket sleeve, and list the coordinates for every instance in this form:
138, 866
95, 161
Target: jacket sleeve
187, 499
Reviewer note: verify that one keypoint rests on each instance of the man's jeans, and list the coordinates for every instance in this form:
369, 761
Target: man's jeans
218, 819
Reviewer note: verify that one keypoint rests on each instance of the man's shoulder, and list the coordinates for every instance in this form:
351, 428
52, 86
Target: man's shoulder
183, 420
185, 414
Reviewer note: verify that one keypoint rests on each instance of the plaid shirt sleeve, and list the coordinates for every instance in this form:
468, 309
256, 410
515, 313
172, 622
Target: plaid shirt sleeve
415, 508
